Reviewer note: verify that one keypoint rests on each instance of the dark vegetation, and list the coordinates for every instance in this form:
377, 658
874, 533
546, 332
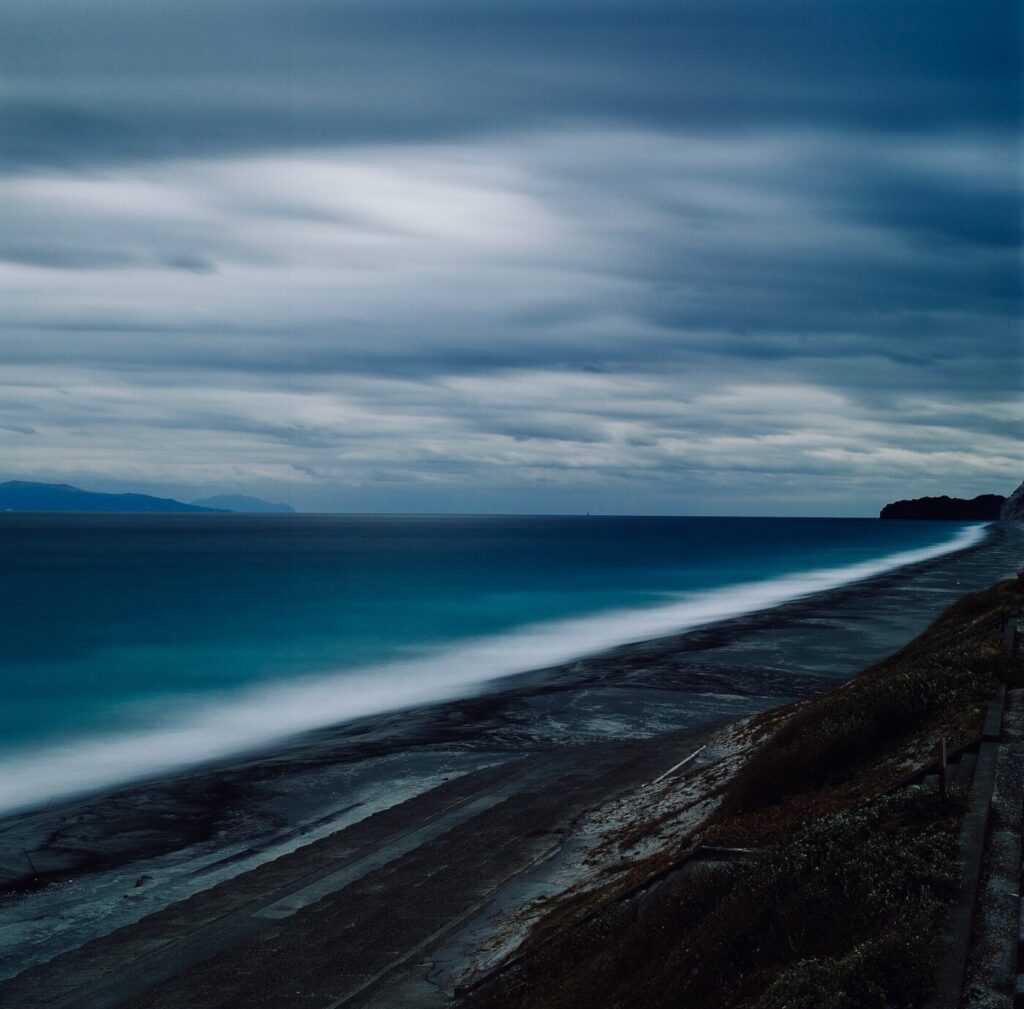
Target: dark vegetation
825, 920
945, 672
840, 902
984, 507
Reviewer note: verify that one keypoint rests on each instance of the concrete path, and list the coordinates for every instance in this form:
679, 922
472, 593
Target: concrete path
324, 925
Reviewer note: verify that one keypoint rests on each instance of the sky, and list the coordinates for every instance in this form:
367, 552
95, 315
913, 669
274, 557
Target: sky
619, 256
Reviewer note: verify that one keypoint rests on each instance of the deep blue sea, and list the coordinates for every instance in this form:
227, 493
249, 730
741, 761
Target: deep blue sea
132, 644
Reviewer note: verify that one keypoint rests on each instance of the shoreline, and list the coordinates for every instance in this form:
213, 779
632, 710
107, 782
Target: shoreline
262, 718
190, 830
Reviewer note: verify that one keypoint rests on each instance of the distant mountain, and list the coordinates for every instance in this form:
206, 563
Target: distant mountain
985, 507
244, 503
23, 496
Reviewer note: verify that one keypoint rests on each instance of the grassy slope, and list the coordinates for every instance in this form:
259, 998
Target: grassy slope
839, 907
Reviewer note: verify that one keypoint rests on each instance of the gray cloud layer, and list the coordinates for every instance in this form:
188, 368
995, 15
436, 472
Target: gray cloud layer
644, 257
94, 79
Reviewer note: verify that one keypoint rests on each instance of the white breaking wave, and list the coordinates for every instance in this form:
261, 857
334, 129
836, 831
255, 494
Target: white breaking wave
259, 715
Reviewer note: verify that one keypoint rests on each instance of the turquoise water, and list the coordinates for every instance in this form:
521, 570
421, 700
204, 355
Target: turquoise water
135, 643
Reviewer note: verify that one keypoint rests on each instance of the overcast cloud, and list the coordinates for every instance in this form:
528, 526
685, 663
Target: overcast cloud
729, 257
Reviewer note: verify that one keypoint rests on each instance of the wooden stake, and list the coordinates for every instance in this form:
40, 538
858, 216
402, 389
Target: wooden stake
675, 767
1010, 637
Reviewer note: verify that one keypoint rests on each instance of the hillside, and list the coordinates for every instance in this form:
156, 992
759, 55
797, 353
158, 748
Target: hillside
822, 872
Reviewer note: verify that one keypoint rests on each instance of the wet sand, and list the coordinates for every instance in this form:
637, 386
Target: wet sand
113, 859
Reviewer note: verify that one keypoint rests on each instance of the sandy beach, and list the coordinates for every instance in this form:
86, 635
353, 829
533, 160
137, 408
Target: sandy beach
505, 774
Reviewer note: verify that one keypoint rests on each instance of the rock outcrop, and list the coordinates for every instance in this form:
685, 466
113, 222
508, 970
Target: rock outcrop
985, 507
1013, 507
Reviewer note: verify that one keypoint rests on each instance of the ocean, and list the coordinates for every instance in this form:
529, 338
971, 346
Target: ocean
131, 645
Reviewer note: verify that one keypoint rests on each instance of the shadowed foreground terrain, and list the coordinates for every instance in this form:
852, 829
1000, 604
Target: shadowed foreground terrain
832, 881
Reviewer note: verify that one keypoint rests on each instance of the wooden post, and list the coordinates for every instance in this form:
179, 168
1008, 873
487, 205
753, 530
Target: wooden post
1010, 637
940, 759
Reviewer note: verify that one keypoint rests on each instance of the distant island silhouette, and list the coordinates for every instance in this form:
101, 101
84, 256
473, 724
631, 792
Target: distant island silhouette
30, 496
244, 503
26, 496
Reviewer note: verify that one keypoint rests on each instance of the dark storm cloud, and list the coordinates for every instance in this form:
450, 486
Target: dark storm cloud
93, 80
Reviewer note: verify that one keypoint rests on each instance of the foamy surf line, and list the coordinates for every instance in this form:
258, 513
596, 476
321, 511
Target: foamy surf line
253, 718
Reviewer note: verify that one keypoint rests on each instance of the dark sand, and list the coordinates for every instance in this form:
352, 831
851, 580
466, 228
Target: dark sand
449, 800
